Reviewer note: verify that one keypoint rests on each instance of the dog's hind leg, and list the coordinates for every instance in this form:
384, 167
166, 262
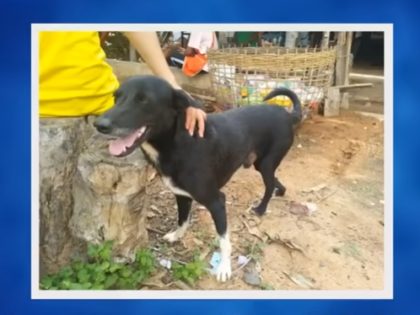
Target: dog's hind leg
267, 171
267, 167
184, 207
279, 189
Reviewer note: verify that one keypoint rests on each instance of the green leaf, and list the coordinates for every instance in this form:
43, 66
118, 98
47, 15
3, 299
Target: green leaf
104, 266
139, 276
98, 287
115, 267
83, 276
108, 244
77, 265
65, 284
126, 272
105, 254
86, 286
122, 283
79, 286
93, 251
100, 272
100, 277
110, 281
66, 272
46, 283
190, 272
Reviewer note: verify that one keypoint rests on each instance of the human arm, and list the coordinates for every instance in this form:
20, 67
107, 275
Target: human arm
148, 46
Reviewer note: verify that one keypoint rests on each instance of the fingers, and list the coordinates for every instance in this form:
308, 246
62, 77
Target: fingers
195, 117
190, 120
201, 123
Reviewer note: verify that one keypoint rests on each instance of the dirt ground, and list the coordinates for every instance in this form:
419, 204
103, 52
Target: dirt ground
336, 164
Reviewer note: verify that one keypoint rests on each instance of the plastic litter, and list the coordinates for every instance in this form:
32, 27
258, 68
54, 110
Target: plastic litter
166, 263
215, 262
243, 260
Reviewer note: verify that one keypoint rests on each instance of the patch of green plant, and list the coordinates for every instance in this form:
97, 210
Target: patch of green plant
100, 272
190, 272
266, 286
255, 250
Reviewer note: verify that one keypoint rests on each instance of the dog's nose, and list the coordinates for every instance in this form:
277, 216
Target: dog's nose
103, 125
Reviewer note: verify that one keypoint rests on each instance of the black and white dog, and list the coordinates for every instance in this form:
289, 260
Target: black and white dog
149, 113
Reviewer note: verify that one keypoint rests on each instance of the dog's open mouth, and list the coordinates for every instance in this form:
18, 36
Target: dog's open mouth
123, 146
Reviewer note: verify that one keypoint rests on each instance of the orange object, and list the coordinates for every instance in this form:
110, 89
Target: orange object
194, 64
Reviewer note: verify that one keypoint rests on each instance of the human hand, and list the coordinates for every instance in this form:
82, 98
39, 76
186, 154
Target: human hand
194, 117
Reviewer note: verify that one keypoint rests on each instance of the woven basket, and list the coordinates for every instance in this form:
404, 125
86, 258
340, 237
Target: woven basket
243, 76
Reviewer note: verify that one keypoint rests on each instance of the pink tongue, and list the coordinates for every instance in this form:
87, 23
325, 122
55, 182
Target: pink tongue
120, 145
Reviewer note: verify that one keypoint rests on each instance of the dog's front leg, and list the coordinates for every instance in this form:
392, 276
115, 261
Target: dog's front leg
224, 270
184, 207
218, 212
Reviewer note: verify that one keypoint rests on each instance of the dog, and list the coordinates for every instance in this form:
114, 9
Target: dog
149, 113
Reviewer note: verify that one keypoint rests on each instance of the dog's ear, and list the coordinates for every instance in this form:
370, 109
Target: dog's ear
182, 100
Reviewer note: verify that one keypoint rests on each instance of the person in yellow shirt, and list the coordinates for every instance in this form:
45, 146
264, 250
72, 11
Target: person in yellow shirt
75, 79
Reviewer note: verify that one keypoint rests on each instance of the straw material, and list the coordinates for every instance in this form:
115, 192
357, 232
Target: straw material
242, 76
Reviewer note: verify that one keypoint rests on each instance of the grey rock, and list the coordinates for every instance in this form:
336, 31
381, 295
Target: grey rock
252, 277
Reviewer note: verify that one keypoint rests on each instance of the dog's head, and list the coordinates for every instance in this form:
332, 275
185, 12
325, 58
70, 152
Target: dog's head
145, 107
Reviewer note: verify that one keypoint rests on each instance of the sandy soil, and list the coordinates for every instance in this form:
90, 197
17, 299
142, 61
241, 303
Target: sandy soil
337, 164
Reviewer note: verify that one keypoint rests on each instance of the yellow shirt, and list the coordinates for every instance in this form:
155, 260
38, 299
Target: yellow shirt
74, 78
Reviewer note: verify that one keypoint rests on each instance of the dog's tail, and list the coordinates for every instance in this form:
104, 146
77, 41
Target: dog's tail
297, 107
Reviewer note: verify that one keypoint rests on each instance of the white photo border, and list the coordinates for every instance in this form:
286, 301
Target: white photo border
386, 293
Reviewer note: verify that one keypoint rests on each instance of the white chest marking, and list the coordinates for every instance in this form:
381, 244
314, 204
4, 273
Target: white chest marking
176, 190
153, 154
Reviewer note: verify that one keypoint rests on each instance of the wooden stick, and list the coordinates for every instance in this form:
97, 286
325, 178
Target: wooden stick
353, 86
366, 77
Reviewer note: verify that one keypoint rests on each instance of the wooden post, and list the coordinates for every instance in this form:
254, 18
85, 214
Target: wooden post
325, 40
332, 102
347, 56
132, 53
290, 41
340, 66
223, 40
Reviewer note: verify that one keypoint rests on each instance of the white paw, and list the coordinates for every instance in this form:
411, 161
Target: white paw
171, 237
224, 271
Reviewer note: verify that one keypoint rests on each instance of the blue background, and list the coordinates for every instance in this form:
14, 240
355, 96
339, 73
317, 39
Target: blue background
16, 17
